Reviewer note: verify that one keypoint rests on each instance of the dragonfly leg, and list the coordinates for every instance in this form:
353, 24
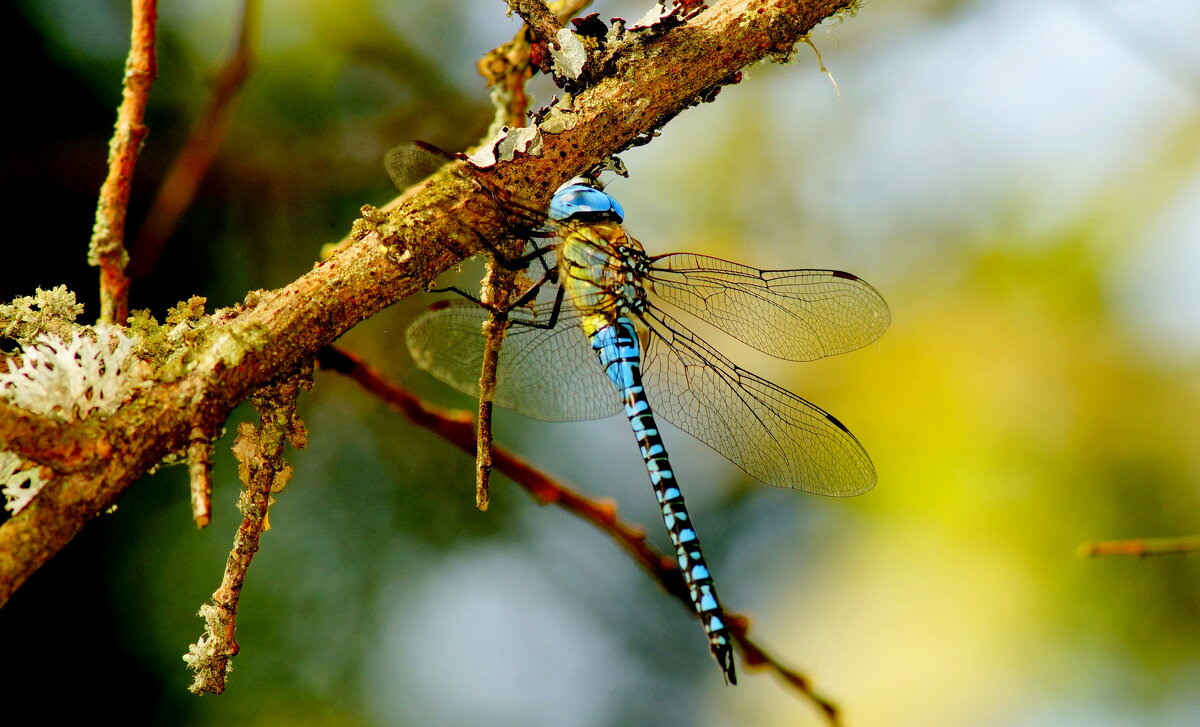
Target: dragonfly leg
510, 263
554, 312
460, 292
550, 275
522, 262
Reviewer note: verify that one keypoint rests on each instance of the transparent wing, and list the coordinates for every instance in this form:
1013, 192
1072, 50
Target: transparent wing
409, 163
772, 434
798, 315
549, 374
413, 161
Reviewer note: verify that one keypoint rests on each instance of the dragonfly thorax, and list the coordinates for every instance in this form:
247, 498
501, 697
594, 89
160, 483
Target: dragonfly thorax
602, 270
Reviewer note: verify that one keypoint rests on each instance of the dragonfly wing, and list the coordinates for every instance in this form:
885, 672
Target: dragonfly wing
798, 315
410, 162
549, 374
772, 434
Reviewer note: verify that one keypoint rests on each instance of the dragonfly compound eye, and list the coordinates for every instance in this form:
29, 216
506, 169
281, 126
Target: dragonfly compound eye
585, 203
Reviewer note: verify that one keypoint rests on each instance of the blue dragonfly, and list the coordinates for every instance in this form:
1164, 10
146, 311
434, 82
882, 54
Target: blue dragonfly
606, 344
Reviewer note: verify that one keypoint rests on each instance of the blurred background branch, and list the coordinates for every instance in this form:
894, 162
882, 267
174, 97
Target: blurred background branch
1142, 547
179, 185
457, 428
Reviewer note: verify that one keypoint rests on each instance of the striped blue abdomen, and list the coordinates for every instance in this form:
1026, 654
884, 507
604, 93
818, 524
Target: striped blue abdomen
619, 351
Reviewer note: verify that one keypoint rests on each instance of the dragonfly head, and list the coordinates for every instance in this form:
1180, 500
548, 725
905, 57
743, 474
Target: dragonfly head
585, 203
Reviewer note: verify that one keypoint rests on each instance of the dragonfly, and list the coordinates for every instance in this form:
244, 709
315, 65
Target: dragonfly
609, 342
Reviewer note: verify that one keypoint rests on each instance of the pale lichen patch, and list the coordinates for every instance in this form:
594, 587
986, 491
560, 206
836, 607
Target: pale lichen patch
506, 145
571, 55
70, 378
20, 481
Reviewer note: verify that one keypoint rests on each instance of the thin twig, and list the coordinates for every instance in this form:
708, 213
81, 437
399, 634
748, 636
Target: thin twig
538, 17
183, 178
199, 460
107, 249
455, 427
508, 67
493, 333
498, 292
1142, 547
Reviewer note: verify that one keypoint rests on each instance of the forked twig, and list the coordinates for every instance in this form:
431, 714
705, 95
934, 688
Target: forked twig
506, 69
263, 471
456, 428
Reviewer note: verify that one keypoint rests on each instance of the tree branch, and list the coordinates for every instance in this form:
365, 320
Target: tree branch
61, 446
643, 84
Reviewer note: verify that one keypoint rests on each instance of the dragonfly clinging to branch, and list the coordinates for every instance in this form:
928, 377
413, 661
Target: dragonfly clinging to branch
606, 344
